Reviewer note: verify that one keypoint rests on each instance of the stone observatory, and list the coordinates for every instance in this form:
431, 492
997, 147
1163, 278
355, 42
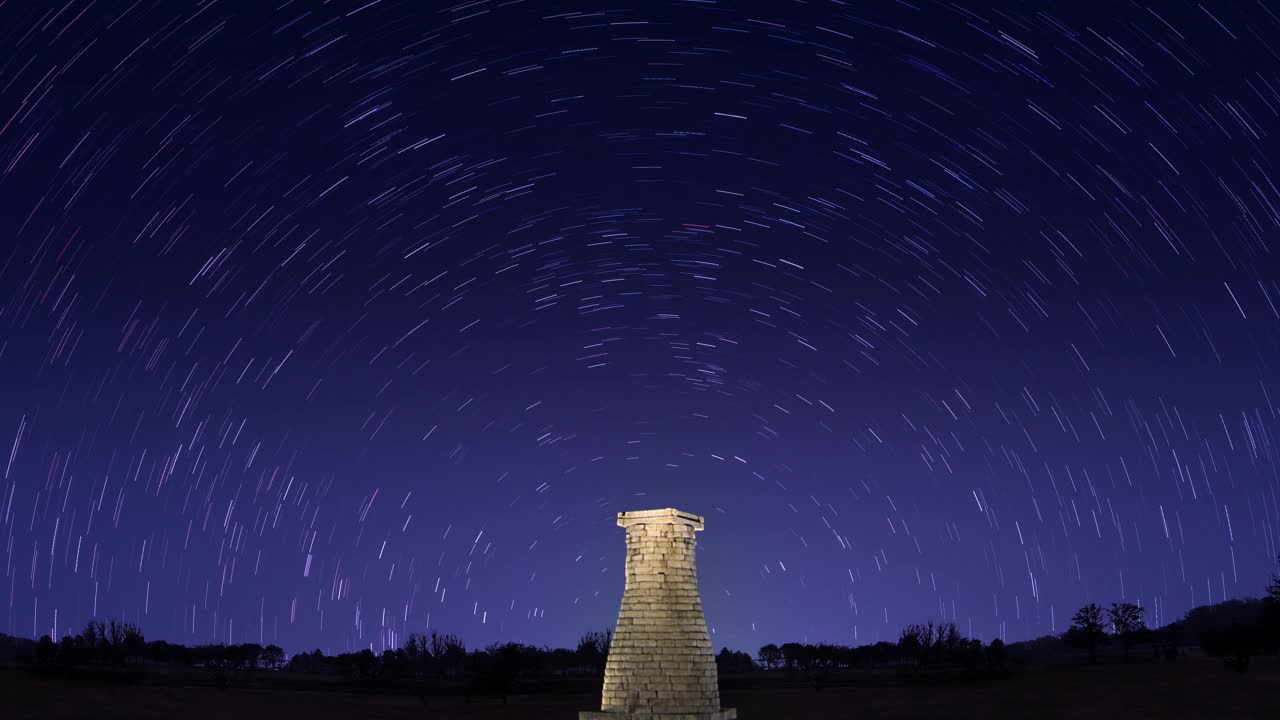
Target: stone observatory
660, 664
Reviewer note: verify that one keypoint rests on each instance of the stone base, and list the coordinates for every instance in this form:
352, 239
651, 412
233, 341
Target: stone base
725, 714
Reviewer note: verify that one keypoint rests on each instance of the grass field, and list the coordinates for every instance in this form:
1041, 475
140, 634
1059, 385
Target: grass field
1192, 688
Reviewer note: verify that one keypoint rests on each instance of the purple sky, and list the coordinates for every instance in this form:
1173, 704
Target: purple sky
326, 322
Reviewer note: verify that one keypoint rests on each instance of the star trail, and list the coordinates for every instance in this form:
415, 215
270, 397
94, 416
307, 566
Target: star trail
322, 323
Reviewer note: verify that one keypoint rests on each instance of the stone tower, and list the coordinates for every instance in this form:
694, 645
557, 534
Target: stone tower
660, 665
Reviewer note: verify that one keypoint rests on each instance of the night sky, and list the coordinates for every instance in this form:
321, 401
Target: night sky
326, 322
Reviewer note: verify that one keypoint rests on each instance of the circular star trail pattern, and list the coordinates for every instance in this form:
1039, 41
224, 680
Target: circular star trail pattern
321, 323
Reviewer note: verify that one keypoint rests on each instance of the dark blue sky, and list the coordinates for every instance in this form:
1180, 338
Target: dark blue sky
321, 323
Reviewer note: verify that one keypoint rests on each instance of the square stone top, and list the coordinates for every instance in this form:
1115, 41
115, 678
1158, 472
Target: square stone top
665, 516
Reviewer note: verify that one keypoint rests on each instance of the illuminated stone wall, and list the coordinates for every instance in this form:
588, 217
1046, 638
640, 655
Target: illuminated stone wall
661, 665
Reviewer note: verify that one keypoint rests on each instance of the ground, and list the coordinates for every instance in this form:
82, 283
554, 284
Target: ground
1187, 689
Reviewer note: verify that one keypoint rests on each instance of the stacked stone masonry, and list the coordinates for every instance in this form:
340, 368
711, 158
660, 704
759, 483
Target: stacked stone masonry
661, 665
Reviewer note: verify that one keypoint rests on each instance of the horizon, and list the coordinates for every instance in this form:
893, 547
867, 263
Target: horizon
1260, 599
322, 323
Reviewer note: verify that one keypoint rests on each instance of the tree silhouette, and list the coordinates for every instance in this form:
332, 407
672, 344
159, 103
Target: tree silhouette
417, 654
928, 642
1273, 589
1087, 629
1172, 637
46, 650
1236, 644
1271, 612
68, 651
502, 665
769, 656
796, 655
996, 654
729, 661
94, 641
272, 657
593, 649
914, 642
1126, 622
218, 663
948, 643
447, 652
307, 662
882, 652
247, 656
366, 664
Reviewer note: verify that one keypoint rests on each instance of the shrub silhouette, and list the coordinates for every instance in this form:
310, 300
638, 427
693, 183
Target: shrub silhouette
593, 649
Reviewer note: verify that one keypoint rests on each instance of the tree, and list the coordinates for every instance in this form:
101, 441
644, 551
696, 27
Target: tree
115, 641
46, 650
448, 652
247, 655
417, 654
593, 649
92, 640
134, 643
500, 666
882, 652
218, 662
1271, 613
68, 651
948, 643
924, 642
769, 656
1273, 589
312, 662
796, 655
1171, 635
1126, 623
1236, 644
911, 642
273, 657
729, 661
997, 655
15, 647
1087, 629
365, 664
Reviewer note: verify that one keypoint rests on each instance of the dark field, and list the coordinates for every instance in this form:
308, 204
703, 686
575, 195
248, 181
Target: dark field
1188, 689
